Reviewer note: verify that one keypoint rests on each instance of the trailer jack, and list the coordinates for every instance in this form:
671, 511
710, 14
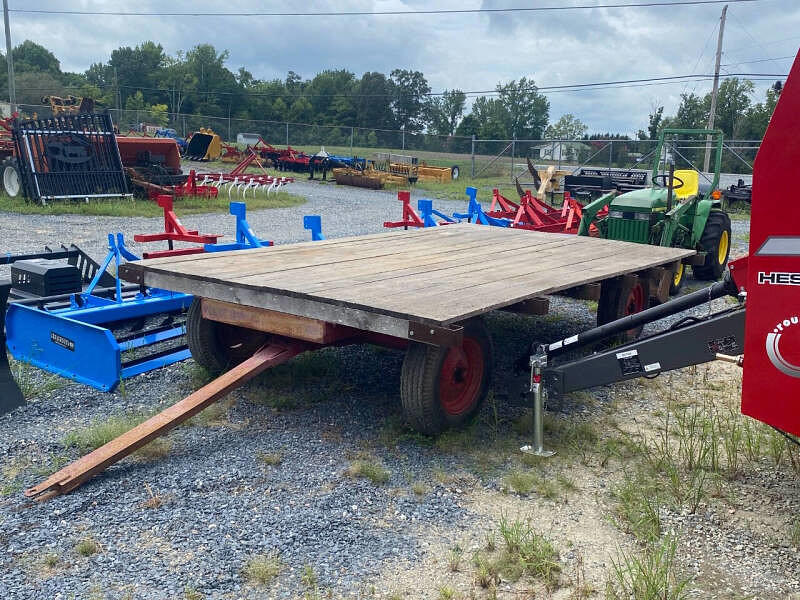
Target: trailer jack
690, 341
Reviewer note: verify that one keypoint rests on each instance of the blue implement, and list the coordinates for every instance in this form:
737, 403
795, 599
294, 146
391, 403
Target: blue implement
314, 224
245, 236
71, 340
475, 212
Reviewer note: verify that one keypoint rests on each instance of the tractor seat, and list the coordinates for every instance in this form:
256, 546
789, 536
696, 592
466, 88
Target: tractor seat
691, 183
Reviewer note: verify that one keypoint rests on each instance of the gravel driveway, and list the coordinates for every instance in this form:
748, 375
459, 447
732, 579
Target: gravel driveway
220, 502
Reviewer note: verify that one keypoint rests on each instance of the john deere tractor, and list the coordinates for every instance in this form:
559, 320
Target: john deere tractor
677, 210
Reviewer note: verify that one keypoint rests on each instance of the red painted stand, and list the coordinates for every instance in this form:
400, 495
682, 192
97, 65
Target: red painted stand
174, 231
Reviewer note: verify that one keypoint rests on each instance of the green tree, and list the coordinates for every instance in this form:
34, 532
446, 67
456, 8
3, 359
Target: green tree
301, 111
136, 69
528, 110
410, 90
135, 101
31, 57
492, 118
443, 113
566, 128
733, 103
373, 101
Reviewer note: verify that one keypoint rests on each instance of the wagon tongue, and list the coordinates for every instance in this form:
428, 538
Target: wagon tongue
83, 469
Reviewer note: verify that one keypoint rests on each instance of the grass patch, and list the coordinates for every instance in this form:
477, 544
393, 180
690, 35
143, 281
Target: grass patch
273, 459
419, 488
261, 569
102, 431
794, 532
155, 450
638, 500
134, 207
454, 559
34, 382
370, 469
446, 592
311, 377
527, 553
87, 546
190, 593
653, 575
215, 415
525, 482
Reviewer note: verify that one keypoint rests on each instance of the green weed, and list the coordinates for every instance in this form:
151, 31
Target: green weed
369, 469
261, 569
527, 553
653, 575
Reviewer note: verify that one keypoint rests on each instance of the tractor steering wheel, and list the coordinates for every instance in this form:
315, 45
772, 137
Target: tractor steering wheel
665, 177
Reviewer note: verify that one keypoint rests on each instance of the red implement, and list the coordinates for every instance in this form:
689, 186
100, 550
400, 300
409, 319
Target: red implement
174, 231
410, 216
771, 379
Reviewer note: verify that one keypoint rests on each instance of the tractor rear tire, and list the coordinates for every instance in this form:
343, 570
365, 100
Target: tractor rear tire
620, 297
12, 179
445, 387
219, 346
716, 243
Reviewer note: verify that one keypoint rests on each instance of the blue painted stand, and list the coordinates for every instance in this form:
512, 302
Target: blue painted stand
245, 237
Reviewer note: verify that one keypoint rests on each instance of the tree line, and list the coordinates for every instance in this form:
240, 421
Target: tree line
199, 81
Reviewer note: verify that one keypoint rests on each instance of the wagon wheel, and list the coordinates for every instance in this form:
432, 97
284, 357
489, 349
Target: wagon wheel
445, 387
620, 297
219, 346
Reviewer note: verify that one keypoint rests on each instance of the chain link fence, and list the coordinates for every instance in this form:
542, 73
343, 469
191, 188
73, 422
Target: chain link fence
502, 160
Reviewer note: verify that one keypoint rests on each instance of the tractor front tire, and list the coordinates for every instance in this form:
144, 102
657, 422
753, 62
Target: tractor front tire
678, 279
445, 387
620, 297
716, 243
218, 346
12, 178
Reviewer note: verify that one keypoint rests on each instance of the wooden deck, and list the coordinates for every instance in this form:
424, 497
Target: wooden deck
382, 282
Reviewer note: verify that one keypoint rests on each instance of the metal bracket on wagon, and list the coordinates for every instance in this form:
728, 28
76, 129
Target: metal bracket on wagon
434, 335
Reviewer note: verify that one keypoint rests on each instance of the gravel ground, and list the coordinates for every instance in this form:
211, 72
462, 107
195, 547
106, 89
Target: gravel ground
220, 503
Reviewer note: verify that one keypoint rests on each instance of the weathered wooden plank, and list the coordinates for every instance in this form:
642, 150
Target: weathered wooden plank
270, 321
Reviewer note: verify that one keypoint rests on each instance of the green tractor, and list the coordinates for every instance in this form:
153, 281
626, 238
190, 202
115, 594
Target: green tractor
676, 211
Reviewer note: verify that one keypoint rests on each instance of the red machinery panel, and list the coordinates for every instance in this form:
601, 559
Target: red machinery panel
771, 386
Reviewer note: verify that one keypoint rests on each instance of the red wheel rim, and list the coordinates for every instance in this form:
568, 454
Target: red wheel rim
635, 302
460, 377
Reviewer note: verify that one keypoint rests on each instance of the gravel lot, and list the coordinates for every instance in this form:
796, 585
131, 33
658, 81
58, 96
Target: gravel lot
220, 502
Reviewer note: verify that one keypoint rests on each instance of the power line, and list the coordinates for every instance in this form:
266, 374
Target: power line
665, 80
354, 13
760, 60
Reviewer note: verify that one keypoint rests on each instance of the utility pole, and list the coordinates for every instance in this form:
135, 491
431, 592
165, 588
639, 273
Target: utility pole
715, 88
12, 88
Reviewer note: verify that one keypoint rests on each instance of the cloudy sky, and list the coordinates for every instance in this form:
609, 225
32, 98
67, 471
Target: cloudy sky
466, 51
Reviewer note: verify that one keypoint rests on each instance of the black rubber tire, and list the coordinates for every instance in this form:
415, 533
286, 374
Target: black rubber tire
718, 222
19, 190
615, 295
674, 288
419, 382
454, 172
219, 346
